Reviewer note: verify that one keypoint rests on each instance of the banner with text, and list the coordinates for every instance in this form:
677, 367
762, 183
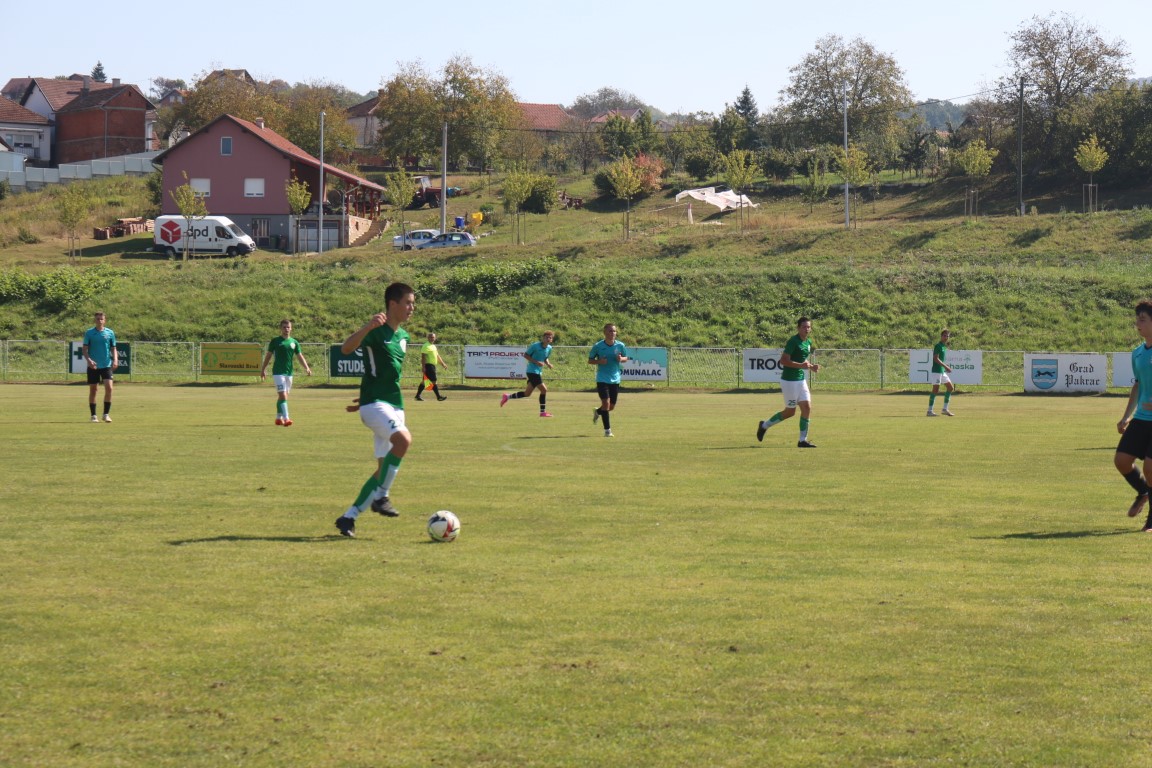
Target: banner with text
1065, 373
762, 366
967, 366
230, 359
494, 362
77, 364
342, 365
645, 364
1122, 375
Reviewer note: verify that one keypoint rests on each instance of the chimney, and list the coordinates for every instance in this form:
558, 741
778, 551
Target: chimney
87, 84
260, 123
115, 81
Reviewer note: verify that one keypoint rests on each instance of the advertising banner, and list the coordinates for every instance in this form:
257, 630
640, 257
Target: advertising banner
342, 365
494, 362
230, 359
762, 366
1065, 373
76, 363
645, 364
1122, 375
967, 366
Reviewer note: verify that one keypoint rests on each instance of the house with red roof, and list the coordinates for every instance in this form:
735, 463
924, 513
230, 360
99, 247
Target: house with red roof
25, 132
242, 169
544, 118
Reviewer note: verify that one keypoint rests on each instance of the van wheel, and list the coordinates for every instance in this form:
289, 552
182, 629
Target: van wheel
170, 252
230, 252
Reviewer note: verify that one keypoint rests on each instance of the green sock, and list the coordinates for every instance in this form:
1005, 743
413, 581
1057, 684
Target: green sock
365, 495
803, 428
388, 474
932, 401
947, 397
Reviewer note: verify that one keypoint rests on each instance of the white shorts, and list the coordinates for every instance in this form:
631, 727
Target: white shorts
385, 420
795, 392
939, 379
283, 383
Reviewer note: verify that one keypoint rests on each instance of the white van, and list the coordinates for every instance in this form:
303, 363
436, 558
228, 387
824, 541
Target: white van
211, 234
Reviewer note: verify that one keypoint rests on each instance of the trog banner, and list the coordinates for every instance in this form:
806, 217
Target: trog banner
1065, 373
762, 366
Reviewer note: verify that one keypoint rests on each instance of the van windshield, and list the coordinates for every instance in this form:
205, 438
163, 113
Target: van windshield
236, 230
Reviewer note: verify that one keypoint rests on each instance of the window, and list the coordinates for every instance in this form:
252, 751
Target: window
253, 187
202, 187
225, 145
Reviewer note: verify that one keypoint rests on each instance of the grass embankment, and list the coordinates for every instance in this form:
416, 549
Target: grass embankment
1059, 281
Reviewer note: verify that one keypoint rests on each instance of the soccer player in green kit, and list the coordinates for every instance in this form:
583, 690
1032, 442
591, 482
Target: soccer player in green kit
283, 350
381, 406
1135, 426
939, 374
793, 383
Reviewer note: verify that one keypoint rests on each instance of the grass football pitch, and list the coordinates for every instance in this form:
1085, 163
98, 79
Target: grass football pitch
914, 592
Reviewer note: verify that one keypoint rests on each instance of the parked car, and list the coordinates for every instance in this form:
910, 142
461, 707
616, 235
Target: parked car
414, 239
447, 240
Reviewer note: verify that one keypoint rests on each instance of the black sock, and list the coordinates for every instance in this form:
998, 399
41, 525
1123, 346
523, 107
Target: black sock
420, 391
1138, 484
436, 389
92, 408
515, 395
107, 407
607, 420
542, 408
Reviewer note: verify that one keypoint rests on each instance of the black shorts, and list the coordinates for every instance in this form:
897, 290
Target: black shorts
608, 392
430, 372
1137, 439
534, 379
98, 375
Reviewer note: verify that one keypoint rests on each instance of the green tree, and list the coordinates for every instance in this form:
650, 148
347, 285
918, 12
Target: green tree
98, 73
619, 137
729, 131
873, 82
590, 105
816, 183
409, 115
855, 167
299, 198
72, 207
976, 162
583, 143
478, 105
626, 182
1091, 156
1062, 61
739, 170
302, 106
192, 207
229, 95
517, 188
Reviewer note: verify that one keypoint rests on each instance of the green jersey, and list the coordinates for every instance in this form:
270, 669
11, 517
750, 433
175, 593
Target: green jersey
384, 351
284, 353
939, 351
798, 351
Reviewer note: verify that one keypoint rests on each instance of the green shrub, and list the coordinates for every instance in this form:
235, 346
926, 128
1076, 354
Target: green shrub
25, 236
542, 198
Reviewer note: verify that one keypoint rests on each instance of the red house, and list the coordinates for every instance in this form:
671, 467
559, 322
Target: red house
99, 123
242, 170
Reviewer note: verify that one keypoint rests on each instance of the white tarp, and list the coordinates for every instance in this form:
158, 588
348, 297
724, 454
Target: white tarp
725, 201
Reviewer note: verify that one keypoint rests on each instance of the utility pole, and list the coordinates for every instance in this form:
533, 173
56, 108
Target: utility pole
847, 219
1020, 151
320, 221
444, 181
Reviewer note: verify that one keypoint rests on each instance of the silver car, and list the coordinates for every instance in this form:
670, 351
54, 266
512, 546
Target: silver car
413, 239
448, 240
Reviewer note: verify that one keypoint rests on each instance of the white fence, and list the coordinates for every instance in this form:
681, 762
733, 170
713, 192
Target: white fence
711, 368
32, 178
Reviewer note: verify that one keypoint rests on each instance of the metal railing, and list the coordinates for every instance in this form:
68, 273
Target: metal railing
713, 368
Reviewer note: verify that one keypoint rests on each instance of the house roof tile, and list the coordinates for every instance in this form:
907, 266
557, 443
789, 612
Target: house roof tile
11, 112
544, 117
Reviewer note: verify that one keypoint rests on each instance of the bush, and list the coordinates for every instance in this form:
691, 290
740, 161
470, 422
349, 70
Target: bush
5, 188
24, 235
61, 289
542, 198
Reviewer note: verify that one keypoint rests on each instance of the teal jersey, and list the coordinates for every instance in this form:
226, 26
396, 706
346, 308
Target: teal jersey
609, 373
284, 353
939, 351
1142, 370
100, 345
384, 351
798, 351
539, 353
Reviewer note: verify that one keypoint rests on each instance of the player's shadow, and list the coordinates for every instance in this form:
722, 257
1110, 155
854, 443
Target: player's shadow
288, 539
1050, 535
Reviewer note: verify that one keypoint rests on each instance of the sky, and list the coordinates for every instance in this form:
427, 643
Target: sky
674, 55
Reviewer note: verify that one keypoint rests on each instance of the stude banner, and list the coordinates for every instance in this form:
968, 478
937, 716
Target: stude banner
342, 365
762, 366
1065, 373
967, 366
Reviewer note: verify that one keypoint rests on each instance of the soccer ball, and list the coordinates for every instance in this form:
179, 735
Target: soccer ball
443, 526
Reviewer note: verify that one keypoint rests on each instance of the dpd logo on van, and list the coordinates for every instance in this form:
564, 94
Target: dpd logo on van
170, 232
1045, 372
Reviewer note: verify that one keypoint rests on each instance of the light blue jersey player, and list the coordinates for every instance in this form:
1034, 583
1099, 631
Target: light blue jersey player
537, 356
1135, 426
607, 355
